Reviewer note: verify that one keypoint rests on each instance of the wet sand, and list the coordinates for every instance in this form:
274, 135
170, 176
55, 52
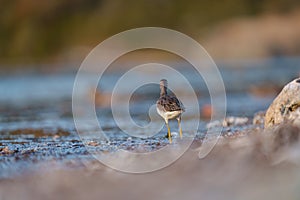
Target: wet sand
242, 167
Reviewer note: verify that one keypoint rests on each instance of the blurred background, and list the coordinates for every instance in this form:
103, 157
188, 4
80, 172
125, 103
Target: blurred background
255, 43
34, 33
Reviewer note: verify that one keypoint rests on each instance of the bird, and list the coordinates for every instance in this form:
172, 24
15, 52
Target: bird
169, 107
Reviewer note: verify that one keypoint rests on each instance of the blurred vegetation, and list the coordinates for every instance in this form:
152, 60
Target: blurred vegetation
39, 31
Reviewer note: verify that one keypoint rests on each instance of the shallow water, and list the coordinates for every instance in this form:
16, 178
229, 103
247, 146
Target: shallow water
36, 121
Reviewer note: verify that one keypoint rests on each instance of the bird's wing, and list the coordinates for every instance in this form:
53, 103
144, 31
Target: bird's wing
170, 103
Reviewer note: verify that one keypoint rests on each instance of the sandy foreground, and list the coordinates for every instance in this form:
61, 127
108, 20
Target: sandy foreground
259, 165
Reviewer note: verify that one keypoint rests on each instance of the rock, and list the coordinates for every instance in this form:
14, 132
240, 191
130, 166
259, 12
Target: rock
235, 121
28, 151
6, 150
259, 118
214, 124
228, 122
286, 105
93, 143
55, 137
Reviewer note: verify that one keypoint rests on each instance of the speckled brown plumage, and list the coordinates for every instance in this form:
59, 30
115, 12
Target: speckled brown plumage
167, 102
169, 107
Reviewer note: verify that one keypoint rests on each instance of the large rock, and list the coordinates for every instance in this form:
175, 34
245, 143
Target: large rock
286, 106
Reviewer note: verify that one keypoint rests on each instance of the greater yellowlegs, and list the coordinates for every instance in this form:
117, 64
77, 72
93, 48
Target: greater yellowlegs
169, 107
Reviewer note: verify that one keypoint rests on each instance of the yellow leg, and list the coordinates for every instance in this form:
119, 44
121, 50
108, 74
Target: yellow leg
169, 133
179, 126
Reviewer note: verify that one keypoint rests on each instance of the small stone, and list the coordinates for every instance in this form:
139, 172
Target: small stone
214, 124
93, 143
259, 118
174, 134
27, 151
6, 150
56, 137
235, 121
286, 105
227, 122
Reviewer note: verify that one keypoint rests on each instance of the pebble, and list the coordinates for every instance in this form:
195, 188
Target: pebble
93, 143
259, 118
228, 121
6, 150
235, 121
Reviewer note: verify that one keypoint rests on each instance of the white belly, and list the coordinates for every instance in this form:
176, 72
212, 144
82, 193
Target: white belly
169, 114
